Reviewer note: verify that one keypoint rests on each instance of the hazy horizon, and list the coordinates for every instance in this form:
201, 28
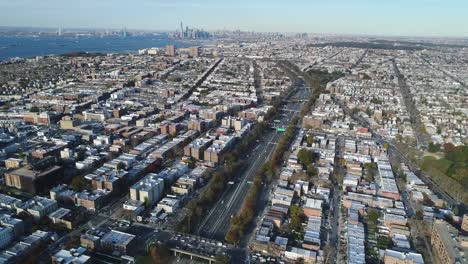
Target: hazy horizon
54, 29
416, 18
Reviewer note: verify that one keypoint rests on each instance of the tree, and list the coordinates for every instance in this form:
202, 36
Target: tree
419, 214
384, 242
373, 215
79, 184
433, 147
80, 154
297, 218
422, 130
399, 137
371, 170
309, 140
448, 147
159, 253
233, 235
34, 109
306, 157
311, 171
120, 166
22, 156
456, 210
146, 202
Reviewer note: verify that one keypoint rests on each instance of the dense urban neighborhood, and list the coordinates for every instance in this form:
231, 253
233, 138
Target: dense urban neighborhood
250, 148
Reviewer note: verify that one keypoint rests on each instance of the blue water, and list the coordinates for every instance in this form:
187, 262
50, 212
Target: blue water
26, 47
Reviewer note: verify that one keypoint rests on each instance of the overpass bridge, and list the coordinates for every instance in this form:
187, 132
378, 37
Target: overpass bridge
192, 255
195, 247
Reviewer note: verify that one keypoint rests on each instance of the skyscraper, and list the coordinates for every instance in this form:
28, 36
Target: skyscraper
181, 30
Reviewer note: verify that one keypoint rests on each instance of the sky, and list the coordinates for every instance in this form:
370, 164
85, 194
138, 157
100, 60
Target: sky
364, 17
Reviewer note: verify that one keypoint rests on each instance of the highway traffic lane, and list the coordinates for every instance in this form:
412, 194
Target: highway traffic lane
236, 199
222, 213
235, 207
224, 228
223, 217
219, 208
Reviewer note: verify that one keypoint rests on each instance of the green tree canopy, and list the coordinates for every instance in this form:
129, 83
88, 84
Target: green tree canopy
159, 253
306, 157
34, 109
79, 184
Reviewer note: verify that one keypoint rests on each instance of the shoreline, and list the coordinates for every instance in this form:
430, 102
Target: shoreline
30, 47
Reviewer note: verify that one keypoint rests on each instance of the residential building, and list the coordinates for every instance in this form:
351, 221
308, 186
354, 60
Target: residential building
446, 243
32, 181
464, 225
38, 206
117, 241
6, 236
71, 256
148, 190
9, 202
313, 207
396, 257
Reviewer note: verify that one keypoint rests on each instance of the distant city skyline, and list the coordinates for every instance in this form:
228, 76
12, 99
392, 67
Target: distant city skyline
361, 17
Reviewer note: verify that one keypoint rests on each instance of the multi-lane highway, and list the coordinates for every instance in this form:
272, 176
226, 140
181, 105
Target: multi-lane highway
217, 222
